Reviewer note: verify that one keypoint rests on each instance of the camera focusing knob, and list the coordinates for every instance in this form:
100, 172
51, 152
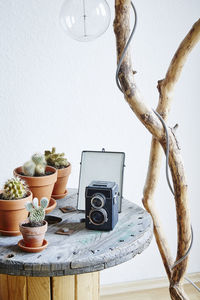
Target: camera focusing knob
115, 199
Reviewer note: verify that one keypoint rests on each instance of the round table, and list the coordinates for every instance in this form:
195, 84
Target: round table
68, 269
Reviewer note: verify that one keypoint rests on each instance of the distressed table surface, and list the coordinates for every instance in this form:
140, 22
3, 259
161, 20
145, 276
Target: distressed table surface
85, 250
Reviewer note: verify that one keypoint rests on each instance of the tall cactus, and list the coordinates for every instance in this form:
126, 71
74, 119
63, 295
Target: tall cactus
14, 188
37, 213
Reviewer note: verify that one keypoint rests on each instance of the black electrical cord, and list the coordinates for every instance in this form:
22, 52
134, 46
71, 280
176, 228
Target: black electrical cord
166, 133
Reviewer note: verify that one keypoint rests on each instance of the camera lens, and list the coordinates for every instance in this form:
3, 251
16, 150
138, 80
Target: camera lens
98, 217
98, 200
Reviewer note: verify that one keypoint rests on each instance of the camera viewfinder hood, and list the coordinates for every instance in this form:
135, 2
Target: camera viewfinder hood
100, 166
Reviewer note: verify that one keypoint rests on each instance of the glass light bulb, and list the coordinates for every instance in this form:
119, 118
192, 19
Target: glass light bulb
85, 20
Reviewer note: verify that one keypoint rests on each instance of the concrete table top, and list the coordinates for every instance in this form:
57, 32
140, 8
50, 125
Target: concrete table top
85, 250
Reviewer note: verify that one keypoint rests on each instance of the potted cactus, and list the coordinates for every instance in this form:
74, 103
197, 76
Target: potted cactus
34, 228
39, 177
58, 161
13, 198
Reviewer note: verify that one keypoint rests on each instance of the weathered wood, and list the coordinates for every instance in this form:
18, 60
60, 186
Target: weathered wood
75, 287
3, 286
166, 87
87, 286
38, 288
63, 288
17, 288
155, 127
83, 251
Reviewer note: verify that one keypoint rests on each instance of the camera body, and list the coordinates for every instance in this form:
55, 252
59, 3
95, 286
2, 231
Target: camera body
101, 205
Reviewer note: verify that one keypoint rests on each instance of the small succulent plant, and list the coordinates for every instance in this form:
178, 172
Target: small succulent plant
37, 212
56, 160
14, 188
35, 166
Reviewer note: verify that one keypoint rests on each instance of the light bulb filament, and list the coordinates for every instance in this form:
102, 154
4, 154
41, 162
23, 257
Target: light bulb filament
84, 19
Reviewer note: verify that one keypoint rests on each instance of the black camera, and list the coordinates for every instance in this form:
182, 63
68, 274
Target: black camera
101, 205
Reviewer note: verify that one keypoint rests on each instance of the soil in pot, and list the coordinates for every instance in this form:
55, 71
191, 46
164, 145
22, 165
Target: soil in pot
33, 236
12, 212
62, 179
40, 186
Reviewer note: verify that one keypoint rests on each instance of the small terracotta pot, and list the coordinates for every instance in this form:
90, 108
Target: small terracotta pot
12, 212
63, 176
41, 186
33, 236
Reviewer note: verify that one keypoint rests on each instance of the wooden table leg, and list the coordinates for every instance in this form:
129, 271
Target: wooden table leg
38, 288
3, 286
75, 287
87, 286
63, 288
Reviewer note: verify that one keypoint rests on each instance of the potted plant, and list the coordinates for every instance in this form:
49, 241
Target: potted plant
58, 161
39, 177
13, 198
34, 228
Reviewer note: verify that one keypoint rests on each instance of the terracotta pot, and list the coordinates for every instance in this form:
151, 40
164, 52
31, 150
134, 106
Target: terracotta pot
41, 186
12, 212
33, 236
63, 176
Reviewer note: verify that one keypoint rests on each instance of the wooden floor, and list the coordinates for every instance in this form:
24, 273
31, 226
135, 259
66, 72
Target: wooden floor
159, 294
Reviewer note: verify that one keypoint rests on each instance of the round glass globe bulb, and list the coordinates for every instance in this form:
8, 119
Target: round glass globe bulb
85, 20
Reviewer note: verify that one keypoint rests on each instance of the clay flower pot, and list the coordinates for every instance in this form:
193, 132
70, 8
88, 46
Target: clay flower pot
62, 179
40, 186
33, 237
12, 212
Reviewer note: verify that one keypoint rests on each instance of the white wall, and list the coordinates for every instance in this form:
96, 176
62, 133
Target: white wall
56, 91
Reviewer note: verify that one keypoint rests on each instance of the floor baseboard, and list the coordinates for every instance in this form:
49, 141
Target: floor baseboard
140, 285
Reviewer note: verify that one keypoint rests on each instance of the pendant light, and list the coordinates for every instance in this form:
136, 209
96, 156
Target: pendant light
85, 20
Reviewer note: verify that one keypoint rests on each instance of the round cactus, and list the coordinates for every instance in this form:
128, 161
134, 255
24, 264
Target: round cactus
56, 160
40, 169
37, 213
29, 168
14, 188
36, 166
38, 159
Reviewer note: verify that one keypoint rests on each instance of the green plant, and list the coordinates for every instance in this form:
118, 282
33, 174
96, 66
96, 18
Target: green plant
56, 160
14, 188
35, 166
37, 213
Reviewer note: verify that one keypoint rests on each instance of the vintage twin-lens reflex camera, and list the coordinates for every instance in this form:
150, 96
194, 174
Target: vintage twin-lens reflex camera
101, 205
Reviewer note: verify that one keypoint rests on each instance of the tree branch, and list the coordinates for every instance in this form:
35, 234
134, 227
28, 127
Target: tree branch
166, 87
153, 124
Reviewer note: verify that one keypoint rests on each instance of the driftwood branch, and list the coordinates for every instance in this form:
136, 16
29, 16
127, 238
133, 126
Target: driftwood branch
153, 124
165, 88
